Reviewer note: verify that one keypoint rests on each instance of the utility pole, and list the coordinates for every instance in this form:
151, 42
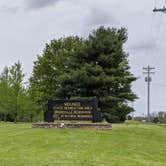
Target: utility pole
163, 10
148, 79
133, 112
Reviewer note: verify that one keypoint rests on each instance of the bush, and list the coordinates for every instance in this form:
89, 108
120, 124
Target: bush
156, 120
129, 117
111, 118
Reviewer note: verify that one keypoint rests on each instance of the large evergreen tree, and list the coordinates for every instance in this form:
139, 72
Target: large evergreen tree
102, 72
94, 68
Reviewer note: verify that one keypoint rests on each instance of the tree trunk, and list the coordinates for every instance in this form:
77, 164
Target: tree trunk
5, 118
15, 118
31, 117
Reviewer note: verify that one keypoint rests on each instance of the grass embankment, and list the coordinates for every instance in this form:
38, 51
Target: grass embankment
126, 145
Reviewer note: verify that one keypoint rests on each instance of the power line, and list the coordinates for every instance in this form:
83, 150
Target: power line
163, 9
133, 112
160, 9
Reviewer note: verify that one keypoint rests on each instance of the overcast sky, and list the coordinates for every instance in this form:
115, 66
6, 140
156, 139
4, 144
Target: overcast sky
26, 25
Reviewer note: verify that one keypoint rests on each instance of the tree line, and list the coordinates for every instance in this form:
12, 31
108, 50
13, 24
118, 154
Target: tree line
16, 103
158, 117
95, 68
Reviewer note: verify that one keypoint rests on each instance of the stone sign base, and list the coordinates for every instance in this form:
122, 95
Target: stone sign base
96, 126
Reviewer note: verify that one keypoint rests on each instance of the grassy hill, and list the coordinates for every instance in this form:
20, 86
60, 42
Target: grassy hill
127, 144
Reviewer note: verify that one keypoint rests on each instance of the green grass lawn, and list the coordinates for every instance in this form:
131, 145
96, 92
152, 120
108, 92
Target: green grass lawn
126, 145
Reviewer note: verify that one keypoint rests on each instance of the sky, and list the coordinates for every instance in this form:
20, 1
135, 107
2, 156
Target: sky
26, 25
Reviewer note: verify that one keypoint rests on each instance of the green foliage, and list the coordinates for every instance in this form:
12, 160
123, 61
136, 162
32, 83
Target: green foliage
15, 101
5, 93
155, 120
16, 84
159, 117
129, 117
96, 67
111, 118
52, 66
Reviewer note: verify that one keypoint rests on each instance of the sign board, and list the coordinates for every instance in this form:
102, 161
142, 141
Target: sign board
72, 110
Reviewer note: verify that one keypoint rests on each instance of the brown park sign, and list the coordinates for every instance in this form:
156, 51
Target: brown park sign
72, 110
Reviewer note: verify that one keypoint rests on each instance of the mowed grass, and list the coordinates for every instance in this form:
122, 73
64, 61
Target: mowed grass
132, 144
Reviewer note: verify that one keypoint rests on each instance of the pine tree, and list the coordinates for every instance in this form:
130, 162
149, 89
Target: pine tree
100, 70
92, 68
